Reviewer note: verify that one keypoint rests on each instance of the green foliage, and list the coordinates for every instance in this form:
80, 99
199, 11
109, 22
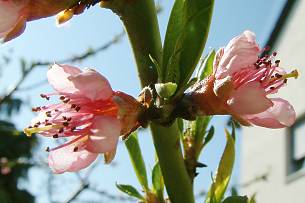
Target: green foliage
14, 146
136, 158
130, 190
185, 38
157, 181
206, 67
252, 199
236, 199
224, 171
10, 106
201, 138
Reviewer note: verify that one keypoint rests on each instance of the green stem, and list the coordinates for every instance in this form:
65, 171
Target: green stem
140, 20
177, 181
141, 23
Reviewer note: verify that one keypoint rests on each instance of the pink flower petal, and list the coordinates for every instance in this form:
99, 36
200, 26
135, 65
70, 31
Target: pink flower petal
92, 85
64, 159
249, 99
89, 83
12, 23
58, 77
9, 14
280, 115
241, 52
106, 134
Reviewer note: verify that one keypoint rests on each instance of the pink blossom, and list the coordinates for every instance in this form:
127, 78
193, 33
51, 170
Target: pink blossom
15, 14
91, 116
241, 84
12, 22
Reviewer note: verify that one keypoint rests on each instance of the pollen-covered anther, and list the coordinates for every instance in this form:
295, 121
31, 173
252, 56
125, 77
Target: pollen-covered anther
66, 100
48, 114
61, 130
75, 149
44, 96
36, 109
77, 108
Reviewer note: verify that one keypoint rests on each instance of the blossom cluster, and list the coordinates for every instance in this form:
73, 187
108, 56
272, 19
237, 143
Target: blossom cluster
92, 117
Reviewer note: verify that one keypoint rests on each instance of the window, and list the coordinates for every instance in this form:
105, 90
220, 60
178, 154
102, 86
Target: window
296, 147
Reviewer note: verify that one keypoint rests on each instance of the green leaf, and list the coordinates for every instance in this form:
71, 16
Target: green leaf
136, 158
236, 199
208, 137
180, 125
130, 190
224, 171
199, 127
186, 34
166, 90
252, 199
157, 181
206, 68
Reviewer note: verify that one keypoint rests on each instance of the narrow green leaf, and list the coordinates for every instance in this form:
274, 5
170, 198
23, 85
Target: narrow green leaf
185, 38
236, 199
234, 191
206, 68
208, 137
157, 181
224, 171
130, 190
136, 158
199, 127
252, 199
180, 125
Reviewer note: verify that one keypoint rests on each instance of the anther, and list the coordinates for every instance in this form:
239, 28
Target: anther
66, 100
65, 124
48, 149
277, 75
61, 130
73, 106
77, 108
62, 97
55, 136
75, 149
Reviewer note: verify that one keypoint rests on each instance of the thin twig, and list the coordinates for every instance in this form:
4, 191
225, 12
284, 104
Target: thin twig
88, 53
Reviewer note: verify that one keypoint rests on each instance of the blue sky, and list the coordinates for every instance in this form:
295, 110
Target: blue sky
42, 40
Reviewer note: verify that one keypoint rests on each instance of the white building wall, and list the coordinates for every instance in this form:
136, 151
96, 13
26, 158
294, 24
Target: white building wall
264, 150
